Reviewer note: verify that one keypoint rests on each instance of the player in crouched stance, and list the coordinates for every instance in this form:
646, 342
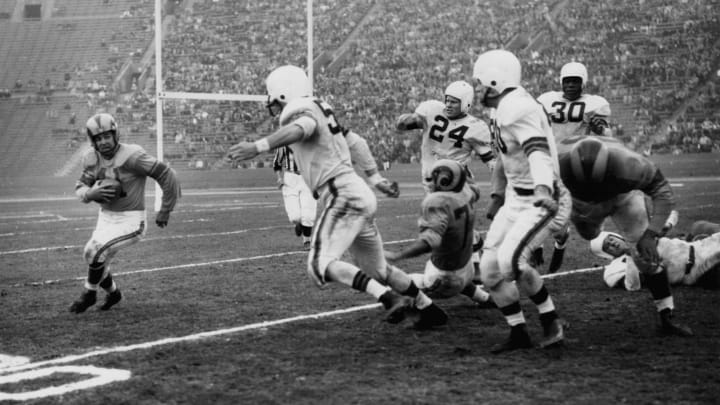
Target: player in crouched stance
446, 232
536, 202
114, 176
347, 222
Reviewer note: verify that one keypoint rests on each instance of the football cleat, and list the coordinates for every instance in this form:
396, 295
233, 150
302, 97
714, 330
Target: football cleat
86, 300
518, 339
669, 328
111, 299
396, 305
430, 317
554, 333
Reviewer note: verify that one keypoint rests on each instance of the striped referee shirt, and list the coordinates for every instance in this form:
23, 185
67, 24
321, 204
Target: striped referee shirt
284, 160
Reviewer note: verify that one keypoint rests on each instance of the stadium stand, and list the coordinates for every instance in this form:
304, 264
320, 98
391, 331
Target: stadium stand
655, 61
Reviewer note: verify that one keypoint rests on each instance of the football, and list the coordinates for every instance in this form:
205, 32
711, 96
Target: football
116, 185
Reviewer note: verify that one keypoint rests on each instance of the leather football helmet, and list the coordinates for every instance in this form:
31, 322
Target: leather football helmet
99, 124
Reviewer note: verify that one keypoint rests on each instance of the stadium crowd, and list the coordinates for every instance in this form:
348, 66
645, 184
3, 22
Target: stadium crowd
654, 61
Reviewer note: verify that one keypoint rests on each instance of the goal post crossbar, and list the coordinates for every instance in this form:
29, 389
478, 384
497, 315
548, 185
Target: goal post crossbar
173, 95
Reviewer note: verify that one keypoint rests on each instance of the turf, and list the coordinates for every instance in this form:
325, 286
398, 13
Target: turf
229, 264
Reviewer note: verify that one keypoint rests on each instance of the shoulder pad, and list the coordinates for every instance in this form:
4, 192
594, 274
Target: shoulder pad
89, 157
430, 108
299, 106
597, 105
515, 106
125, 151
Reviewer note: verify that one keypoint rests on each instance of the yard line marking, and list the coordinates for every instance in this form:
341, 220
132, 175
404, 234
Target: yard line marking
101, 376
186, 236
187, 338
185, 266
220, 332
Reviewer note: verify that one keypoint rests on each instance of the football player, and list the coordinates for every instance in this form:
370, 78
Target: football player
573, 113
300, 205
536, 202
446, 232
450, 132
322, 150
122, 216
694, 260
608, 180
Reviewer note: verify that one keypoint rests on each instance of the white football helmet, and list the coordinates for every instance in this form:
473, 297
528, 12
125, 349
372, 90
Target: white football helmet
448, 175
285, 84
462, 91
574, 69
498, 69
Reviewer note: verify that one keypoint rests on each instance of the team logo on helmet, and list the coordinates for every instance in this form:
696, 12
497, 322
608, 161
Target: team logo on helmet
462, 91
448, 175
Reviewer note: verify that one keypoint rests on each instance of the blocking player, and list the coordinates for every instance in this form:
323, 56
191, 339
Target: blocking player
573, 113
449, 131
446, 232
322, 150
300, 205
608, 180
536, 202
122, 216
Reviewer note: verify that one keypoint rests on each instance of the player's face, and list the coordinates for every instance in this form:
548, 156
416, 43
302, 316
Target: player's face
453, 108
105, 143
488, 96
572, 87
275, 107
614, 246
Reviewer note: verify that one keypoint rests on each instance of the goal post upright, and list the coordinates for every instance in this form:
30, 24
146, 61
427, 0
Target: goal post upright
161, 94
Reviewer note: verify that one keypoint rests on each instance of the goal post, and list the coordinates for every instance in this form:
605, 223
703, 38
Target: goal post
162, 96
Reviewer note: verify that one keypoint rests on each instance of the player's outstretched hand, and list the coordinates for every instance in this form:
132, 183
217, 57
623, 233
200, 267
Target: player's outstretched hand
389, 188
162, 219
242, 151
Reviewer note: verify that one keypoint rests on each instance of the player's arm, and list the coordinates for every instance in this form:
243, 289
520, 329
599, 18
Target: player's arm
498, 183
409, 121
292, 132
361, 156
658, 188
432, 224
86, 187
164, 176
277, 165
598, 125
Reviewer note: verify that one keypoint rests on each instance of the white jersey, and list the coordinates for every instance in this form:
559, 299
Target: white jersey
573, 117
520, 127
685, 265
323, 153
446, 138
685, 262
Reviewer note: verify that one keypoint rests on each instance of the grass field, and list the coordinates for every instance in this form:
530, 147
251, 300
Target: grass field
218, 309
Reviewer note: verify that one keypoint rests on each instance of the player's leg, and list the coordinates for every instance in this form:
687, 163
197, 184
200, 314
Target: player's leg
501, 287
308, 211
631, 218
531, 228
291, 201
336, 228
367, 249
114, 231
